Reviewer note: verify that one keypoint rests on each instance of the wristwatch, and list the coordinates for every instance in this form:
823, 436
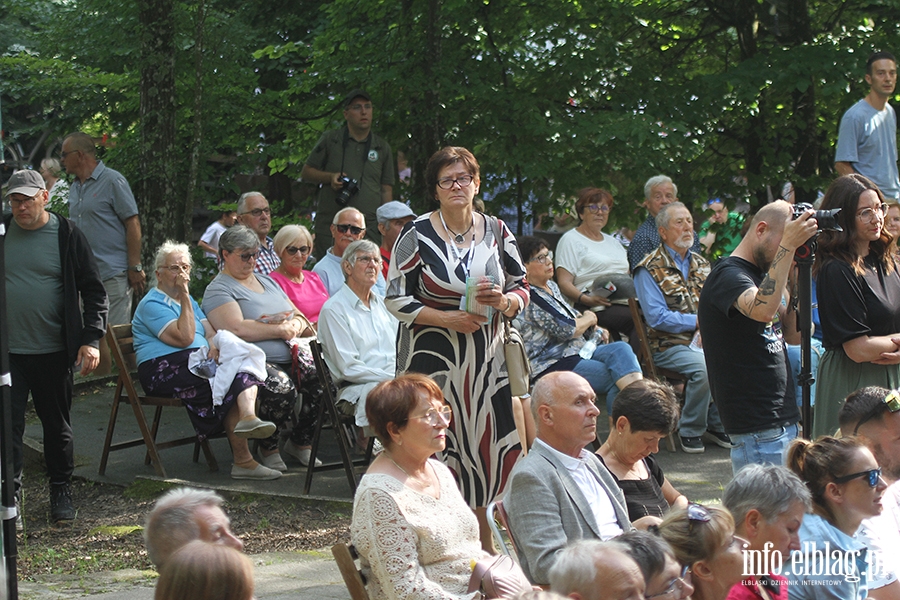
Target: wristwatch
136, 268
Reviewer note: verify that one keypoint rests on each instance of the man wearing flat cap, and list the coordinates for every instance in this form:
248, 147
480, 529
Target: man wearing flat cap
353, 167
391, 219
48, 265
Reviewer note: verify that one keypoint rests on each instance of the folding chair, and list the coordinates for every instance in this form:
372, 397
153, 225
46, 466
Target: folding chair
346, 556
329, 404
647, 364
121, 346
497, 513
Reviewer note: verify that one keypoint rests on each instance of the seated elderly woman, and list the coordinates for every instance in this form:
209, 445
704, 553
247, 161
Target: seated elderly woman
663, 575
554, 332
642, 414
703, 540
255, 309
415, 534
768, 503
293, 243
168, 326
846, 487
203, 570
587, 257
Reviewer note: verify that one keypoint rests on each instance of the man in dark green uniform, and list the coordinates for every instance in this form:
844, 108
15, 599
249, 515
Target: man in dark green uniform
351, 153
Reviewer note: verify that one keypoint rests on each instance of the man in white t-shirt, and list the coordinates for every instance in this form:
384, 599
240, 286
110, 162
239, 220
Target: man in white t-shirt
560, 492
873, 413
209, 241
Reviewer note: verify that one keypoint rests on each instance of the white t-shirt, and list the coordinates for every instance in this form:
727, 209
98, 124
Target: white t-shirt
882, 535
211, 236
587, 260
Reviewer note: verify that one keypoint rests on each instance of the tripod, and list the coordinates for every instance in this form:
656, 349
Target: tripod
805, 255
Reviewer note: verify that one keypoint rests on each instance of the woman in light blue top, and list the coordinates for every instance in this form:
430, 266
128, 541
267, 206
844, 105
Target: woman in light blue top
846, 486
168, 326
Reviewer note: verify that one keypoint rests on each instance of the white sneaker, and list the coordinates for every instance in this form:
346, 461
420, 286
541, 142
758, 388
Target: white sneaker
301, 454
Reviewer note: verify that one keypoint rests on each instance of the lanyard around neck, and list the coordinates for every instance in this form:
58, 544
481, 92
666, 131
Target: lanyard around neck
454, 250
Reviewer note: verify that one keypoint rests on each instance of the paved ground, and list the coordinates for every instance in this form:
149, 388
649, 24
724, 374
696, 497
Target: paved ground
299, 576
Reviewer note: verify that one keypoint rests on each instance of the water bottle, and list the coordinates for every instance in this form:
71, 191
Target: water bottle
587, 351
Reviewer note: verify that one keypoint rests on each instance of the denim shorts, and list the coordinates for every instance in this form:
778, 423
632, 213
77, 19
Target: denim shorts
761, 447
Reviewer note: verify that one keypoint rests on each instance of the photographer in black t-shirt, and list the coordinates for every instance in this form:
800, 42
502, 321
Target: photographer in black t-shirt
745, 322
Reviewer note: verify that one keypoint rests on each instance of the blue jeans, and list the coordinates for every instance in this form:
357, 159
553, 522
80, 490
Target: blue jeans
762, 447
609, 363
699, 412
816, 350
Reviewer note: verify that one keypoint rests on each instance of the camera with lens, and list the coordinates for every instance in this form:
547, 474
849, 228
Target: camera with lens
825, 219
349, 188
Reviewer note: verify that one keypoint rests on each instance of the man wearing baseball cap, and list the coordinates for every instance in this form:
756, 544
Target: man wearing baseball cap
391, 219
48, 265
353, 167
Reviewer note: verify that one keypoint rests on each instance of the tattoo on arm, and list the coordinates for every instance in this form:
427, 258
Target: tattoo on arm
767, 287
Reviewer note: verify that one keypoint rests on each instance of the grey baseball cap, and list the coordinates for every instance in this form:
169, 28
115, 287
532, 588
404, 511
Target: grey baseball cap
393, 210
25, 182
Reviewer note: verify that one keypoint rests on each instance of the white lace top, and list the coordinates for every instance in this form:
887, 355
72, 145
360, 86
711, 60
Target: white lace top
413, 546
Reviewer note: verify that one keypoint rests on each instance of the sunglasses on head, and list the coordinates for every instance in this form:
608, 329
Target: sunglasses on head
891, 402
351, 228
697, 513
292, 250
873, 476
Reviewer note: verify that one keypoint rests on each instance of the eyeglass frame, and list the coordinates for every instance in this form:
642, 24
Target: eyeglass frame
345, 227
597, 207
677, 584
873, 474
450, 181
177, 268
367, 259
258, 212
445, 414
881, 211
891, 401
542, 258
28, 200
292, 250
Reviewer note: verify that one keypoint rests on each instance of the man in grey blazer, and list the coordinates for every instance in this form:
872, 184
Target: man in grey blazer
560, 492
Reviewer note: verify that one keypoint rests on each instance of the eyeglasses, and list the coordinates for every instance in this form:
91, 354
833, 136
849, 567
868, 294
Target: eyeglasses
431, 417
292, 250
248, 256
873, 474
676, 586
63, 155
257, 212
14, 201
351, 228
697, 513
595, 208
867, 215
891, 401
447, 182
544, 259
370, 260
177, 268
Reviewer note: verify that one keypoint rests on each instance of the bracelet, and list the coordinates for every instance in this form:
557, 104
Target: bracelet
508, 304
579, 297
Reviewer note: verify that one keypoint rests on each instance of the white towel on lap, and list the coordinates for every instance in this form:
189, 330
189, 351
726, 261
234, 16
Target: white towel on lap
235, 356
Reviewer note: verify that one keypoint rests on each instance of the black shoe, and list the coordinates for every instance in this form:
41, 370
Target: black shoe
719, 438
61, 507
692, 445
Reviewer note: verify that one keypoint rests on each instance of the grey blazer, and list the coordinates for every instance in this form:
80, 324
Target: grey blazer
547, 510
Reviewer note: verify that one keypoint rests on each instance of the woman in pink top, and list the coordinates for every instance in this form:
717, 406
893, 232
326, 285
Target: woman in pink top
293, 244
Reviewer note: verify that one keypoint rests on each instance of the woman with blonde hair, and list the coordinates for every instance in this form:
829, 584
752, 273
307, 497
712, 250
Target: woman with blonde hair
307, 291
846, 486
703, 540
203, 570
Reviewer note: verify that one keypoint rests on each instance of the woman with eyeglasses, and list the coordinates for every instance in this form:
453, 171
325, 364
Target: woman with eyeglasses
255, 309
588, 259
704, 542
167, 327
415, 534
664, 577
555, 334
858, 287
846, 487
293, 243
449, 268
768, 503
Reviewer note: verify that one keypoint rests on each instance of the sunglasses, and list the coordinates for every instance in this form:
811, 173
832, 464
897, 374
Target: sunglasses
351, 228
891, 401
697, 513
292, 250
873, 476
248, 256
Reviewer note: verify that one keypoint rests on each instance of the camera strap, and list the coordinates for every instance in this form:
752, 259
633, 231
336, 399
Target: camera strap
366, 153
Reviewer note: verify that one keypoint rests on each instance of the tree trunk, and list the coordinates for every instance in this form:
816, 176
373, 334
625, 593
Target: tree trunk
197, 137
162, 209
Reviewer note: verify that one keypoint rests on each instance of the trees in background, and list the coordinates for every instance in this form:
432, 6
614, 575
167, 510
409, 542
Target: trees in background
729, 97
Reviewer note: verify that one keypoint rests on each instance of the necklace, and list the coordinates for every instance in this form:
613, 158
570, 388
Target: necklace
459, 238
416, 479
